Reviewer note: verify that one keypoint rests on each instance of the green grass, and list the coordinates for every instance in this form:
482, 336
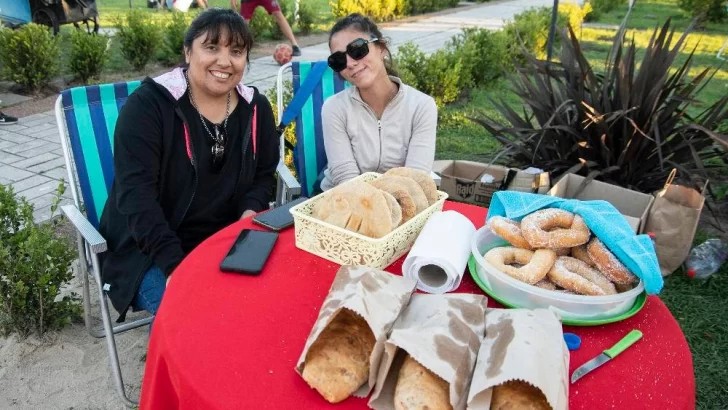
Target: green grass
646, 14
700, 308
460, 138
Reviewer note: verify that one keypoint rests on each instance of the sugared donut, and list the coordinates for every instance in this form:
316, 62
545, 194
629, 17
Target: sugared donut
562, 251
576, 276
554, 228
545, 283
509, 230
580, 253
535, 264
608, 264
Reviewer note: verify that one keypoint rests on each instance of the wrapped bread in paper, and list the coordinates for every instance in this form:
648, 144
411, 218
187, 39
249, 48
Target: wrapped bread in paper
430, 354
515, 337
342, 353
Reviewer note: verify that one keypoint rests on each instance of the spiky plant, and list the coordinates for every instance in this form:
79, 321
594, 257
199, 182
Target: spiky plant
628, 125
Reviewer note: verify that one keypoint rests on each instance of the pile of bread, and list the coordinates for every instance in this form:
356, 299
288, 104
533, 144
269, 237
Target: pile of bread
553, 249
338, 364
376, 208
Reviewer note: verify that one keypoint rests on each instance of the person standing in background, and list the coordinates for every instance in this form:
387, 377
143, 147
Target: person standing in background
6, 119
247, 7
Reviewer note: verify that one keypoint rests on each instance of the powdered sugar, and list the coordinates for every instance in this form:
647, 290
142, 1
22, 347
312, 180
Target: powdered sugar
569, 274
608, 264
509, 230
554, 228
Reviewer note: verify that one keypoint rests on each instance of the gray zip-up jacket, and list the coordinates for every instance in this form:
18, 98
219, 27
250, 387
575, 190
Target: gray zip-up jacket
357, 141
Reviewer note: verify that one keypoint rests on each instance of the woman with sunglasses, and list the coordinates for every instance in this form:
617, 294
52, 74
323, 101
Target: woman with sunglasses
379, 123
194, 150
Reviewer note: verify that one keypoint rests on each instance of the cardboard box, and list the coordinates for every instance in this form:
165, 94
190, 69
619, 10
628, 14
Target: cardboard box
635, 206
462, 180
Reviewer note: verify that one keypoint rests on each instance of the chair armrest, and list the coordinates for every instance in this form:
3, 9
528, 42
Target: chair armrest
436, 178
288, 180
93, 238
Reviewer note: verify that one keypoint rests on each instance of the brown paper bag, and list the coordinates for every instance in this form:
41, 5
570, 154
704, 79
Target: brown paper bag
375, 295
526, 345
674, 218
442, 333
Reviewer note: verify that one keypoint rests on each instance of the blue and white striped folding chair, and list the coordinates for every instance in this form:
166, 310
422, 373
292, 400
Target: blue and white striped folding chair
309, 156
86, 118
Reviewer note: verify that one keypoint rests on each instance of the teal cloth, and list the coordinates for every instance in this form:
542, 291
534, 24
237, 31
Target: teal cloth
636, 252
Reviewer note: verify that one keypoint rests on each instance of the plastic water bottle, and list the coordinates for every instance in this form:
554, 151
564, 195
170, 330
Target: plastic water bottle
706, 258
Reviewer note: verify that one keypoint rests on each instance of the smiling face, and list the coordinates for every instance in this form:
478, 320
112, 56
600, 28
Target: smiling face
215, 68
365, 72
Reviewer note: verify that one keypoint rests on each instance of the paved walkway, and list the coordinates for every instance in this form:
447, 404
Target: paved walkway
30, 151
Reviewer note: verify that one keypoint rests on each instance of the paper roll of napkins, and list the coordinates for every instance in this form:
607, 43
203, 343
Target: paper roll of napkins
440, 254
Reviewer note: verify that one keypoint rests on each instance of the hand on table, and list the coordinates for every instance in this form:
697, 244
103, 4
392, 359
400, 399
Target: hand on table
247, 213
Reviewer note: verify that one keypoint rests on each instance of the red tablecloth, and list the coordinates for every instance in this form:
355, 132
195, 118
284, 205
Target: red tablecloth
229, 341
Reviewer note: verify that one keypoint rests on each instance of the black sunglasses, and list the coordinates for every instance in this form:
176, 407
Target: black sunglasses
357, 50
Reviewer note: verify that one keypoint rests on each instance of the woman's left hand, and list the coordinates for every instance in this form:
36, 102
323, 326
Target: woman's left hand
247, 213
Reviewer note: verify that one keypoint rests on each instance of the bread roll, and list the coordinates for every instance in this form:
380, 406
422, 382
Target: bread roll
395, 210
403, 198
419, 389
337, 363
390, 183
422, 178
358, 207
518, 395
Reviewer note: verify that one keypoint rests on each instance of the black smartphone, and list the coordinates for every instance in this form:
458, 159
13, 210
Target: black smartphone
278, 218
249, 252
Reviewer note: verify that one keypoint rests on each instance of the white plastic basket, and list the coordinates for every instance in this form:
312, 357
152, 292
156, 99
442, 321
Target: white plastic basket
523, 295
350, 248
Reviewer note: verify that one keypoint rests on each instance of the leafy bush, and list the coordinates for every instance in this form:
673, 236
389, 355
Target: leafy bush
421, 6
529, 29
307, 16
437, 74
575, 14
35, 264
29, 55
628, 126
483, 55
600, 7
379, 10
290, 131
710, 10
174, 38
88, 54
261, 23
139, 35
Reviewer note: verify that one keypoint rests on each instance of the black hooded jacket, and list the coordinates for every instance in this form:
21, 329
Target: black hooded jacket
156, 177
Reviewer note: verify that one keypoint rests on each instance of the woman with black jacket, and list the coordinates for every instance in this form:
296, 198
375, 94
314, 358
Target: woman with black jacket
194, 150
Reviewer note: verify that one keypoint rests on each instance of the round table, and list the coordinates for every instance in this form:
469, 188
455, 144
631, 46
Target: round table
231, 341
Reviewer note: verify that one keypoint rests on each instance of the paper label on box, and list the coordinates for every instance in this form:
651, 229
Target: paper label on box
442, 333
376, 295
525, 345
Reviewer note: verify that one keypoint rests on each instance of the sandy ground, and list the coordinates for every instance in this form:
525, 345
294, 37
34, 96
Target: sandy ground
69, 369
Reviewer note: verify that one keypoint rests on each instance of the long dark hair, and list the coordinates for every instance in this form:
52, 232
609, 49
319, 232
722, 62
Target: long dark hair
216, 22
364, 24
